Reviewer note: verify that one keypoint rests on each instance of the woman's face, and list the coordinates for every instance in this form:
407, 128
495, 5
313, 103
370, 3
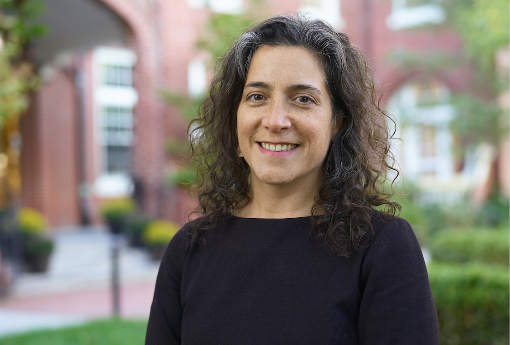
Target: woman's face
284, 120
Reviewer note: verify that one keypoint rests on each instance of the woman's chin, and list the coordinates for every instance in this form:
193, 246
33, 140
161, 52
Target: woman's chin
275, 179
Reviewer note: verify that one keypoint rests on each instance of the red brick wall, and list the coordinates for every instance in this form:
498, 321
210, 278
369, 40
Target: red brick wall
49, 168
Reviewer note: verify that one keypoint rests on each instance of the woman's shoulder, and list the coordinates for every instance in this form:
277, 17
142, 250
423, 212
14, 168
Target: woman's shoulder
391, 230
184, 237
385, 222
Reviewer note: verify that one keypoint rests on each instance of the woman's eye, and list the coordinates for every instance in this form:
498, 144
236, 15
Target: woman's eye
304, 100
256, 97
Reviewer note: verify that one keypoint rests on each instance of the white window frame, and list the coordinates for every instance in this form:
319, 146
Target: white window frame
110, 185
404, 17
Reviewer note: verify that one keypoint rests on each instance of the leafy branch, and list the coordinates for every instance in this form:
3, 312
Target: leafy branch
17, 76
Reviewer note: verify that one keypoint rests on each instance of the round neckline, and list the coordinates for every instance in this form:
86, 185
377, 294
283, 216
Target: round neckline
293, 218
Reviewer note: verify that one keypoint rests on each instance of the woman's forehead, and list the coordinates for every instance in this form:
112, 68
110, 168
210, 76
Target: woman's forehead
287, 65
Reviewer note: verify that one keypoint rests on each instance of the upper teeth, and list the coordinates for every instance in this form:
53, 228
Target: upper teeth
278, 147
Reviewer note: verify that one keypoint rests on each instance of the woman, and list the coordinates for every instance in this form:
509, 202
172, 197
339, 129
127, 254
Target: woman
289, 249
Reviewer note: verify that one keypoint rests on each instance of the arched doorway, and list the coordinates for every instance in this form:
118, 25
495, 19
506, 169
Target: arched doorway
76, 27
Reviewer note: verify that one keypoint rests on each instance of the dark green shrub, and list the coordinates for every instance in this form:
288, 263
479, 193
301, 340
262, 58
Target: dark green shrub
495, 212
463, 245
36, 245
472, 303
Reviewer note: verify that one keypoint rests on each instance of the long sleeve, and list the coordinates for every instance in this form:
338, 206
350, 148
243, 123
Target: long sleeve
166, 311
396, 306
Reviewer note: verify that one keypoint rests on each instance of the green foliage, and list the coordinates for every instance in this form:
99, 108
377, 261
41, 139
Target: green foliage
472, 244
484, 29
472, 303
413, 212
116, 210
221, 30
483, 26
160, 232
183, 176
495, 212
18, 26
104, 332
31, 222
470, 281
430, 218
36, 245
477, 121
32, 225
177, 147
187, 106
18, 20
427, 218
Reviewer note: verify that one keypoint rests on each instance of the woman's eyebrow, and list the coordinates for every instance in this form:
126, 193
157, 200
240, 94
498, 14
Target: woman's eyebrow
259, 84
296, 87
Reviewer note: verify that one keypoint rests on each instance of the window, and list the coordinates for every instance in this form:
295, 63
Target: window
430, 92
117, 139
196, 78
114, 100
428, 140
115, 75
414, 13
423, 113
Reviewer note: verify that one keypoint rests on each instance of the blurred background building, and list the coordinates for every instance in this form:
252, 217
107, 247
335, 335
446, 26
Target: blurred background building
98, 127
95, 101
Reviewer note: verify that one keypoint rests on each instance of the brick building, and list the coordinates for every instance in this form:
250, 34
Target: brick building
97, 127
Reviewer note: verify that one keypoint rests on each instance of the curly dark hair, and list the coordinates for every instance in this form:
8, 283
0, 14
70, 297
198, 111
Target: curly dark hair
358, 158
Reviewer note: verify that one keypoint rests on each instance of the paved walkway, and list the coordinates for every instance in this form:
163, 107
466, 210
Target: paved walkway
77, 286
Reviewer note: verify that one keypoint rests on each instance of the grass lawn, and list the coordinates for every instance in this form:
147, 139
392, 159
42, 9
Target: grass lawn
103, 332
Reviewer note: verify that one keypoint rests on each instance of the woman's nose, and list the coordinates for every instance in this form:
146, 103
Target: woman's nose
277, 117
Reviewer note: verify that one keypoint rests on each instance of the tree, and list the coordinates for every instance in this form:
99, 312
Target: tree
483, 27
17, 79
17, 76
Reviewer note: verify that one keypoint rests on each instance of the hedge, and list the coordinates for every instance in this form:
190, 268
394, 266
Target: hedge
472, 303
467, 245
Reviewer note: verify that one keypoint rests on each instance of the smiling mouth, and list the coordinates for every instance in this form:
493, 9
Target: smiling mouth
278, 147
